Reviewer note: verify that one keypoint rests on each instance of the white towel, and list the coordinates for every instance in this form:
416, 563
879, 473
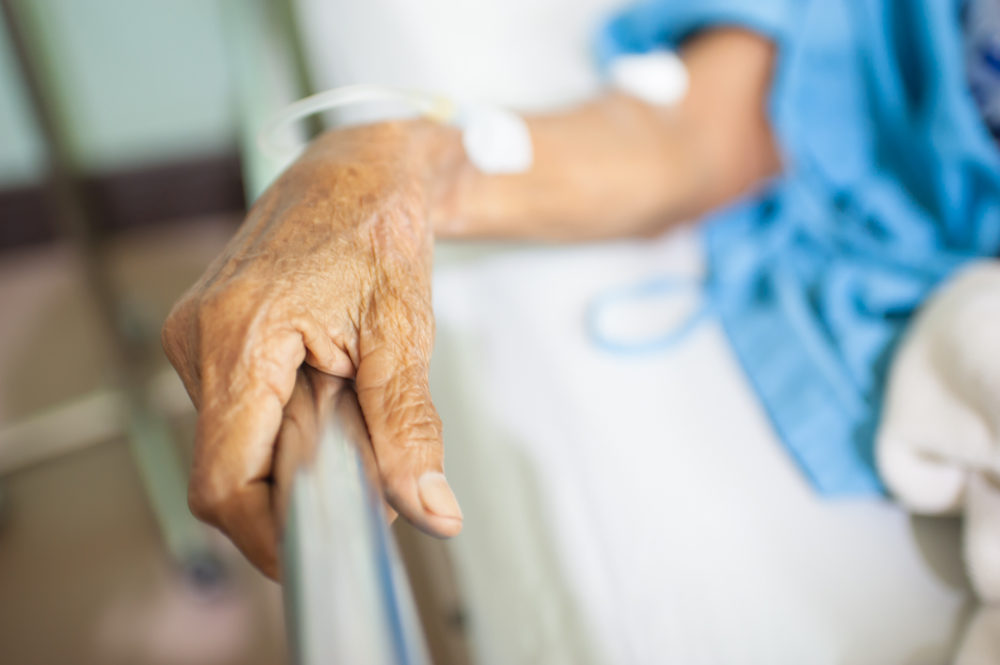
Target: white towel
939, 441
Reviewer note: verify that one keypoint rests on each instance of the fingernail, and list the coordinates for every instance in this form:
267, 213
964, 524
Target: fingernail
437, 497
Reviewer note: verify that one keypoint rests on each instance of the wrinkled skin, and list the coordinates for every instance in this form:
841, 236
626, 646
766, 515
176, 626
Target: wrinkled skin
332, 269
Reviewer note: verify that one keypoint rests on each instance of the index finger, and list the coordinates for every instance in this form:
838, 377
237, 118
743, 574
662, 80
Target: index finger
243, 396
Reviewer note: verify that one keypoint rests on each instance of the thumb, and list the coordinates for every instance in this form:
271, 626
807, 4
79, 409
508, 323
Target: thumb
405, 432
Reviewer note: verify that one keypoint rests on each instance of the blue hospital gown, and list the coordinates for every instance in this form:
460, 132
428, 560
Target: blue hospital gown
891, 181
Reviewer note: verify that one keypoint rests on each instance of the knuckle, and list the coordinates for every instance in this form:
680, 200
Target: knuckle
227, 311
212, 317
199, 506
205, 500
213, 305
417, 415
415, 419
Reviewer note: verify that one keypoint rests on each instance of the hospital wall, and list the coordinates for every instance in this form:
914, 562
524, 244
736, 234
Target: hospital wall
166, 100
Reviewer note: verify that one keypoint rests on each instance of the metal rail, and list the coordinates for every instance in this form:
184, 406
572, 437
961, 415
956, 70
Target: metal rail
347, 597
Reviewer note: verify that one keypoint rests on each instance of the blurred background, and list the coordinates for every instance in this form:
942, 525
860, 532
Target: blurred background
127, 158
119, 180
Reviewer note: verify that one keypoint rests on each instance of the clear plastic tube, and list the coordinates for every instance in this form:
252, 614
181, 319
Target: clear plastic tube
433, 106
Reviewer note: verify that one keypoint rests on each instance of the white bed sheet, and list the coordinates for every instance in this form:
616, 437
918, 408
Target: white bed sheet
640, 509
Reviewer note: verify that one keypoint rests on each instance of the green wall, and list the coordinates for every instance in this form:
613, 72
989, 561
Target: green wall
136, 80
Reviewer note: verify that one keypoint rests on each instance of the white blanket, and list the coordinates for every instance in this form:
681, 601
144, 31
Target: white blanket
640, 509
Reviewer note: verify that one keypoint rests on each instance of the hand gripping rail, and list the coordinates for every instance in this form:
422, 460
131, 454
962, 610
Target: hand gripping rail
346, 593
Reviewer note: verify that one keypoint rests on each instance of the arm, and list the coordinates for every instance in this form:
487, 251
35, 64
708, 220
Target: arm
617, 166
332, 269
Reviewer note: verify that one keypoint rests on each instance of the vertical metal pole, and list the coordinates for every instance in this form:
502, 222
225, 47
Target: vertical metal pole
267, 65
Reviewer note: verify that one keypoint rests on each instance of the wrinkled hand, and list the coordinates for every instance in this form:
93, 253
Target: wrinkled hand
332, 269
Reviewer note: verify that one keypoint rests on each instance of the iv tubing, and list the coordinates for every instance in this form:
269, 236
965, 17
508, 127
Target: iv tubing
433, 106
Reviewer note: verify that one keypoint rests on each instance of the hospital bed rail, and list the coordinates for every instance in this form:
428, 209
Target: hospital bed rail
347, 598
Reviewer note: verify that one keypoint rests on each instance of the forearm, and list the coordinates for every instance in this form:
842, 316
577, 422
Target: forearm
617, 166
613, 167
604, 169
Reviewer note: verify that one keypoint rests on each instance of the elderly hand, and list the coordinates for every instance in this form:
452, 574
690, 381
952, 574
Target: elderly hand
331, 268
